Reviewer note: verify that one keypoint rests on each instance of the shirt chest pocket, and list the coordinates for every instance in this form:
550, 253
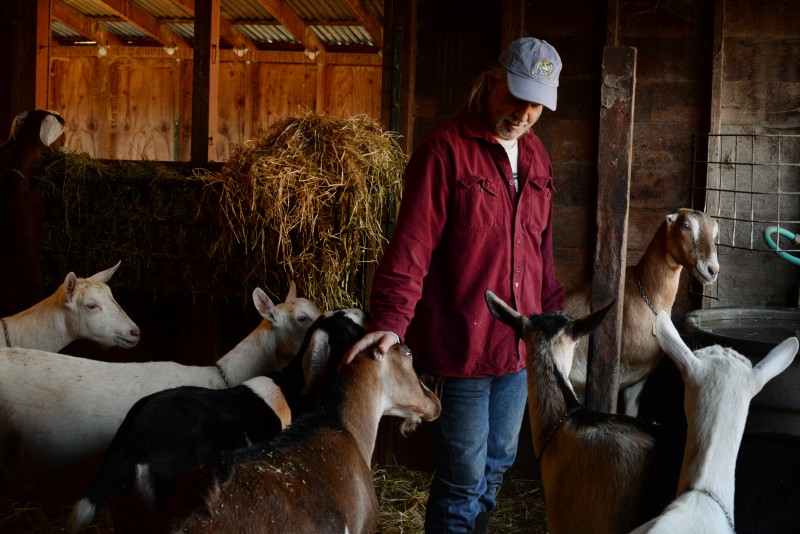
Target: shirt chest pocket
477, 204
537, 203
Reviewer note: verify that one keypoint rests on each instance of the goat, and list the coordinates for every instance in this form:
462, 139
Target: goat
81, 308
601, 473
169, 432
719, 384
685, 239
315, 476
33, 134
58, 415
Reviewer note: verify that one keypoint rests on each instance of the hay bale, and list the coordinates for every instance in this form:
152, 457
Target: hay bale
309, 199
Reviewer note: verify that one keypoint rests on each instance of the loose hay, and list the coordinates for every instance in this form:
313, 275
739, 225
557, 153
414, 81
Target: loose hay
311, 195
402, 495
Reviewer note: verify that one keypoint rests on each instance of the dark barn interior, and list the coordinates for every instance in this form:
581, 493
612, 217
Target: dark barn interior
662, 105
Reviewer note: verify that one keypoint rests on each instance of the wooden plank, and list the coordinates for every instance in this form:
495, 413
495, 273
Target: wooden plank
74, 94
142, 126
43, 37
614, 175
233, 124
281, 90
350, 91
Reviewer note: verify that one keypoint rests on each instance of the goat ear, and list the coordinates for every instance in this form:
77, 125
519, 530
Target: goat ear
292, 295
672, 217
581, 327
775, 362
315, 361
503, 312
105, 276
70, 282
50, 129
671, 342
264, 305
16, 123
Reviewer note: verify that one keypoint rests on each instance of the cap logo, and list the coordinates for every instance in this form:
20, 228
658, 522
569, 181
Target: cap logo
544, 67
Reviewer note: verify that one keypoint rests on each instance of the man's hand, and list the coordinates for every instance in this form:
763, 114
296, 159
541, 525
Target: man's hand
382, 340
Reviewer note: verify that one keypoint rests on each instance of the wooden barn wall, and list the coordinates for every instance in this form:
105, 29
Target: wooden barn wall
136, 103
674, 48
758, 77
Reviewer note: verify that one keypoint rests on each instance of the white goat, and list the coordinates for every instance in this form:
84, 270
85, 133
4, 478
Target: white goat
315, 476
81, 308
58, 414
719, 384
685, 239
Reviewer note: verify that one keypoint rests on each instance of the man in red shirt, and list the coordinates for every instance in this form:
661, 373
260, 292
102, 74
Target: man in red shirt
476, 213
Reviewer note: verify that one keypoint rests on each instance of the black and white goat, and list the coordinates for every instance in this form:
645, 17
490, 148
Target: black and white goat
170, 432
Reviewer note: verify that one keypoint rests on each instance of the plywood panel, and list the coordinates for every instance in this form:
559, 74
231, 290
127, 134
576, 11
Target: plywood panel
351, 90
76, 91
233, 120
281, 90
143, 108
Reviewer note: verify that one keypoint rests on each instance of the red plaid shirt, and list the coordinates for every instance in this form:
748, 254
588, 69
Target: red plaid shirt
462, 228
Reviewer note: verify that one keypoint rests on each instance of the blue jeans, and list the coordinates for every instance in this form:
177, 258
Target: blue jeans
474, 442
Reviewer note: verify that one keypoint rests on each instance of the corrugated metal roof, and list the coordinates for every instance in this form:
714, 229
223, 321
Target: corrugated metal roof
329, 20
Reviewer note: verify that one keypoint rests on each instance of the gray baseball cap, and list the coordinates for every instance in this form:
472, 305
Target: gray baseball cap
533, 67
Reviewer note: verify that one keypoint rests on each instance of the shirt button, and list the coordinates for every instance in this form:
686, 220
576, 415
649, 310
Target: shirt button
516, 284
519, 240
517, 269
511, 182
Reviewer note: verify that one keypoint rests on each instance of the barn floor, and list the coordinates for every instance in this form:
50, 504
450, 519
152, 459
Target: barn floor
402, 493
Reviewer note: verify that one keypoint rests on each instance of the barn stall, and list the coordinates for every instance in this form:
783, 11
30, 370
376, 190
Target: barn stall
709, 121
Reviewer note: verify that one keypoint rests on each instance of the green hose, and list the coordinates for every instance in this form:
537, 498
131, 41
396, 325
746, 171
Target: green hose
773, 246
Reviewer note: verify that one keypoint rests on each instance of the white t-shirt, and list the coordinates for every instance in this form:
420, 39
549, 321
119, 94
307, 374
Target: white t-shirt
511, 146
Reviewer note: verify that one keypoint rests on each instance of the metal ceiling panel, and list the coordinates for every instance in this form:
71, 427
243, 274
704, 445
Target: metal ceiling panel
329, 20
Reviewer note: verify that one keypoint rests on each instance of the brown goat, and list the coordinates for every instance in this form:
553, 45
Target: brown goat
685, 239
315, 476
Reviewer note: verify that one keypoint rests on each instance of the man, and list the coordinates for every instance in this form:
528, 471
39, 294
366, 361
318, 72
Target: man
476, 214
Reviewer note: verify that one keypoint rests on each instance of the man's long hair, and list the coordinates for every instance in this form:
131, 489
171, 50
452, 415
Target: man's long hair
479, 94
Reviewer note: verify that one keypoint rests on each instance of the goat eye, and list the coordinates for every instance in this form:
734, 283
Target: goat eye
92, 306
686, 226
304, 319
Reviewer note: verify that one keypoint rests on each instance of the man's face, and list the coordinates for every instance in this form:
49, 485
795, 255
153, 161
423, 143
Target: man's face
510, 116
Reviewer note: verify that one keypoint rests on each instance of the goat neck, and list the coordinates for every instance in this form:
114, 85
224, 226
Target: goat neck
41, 324
551, 398
658, 272
361, 409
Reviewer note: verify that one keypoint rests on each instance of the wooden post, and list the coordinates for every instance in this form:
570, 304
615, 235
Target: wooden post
614, 175
205, 81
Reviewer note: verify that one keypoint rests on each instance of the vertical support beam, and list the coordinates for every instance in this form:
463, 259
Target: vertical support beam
205, 84
43, 47
513, 18
18, 27
615, 155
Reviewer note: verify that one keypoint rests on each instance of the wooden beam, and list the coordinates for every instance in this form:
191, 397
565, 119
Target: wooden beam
366, 19
83, 25
294, 24
145, 22
615, 156
43, 48
205, 82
